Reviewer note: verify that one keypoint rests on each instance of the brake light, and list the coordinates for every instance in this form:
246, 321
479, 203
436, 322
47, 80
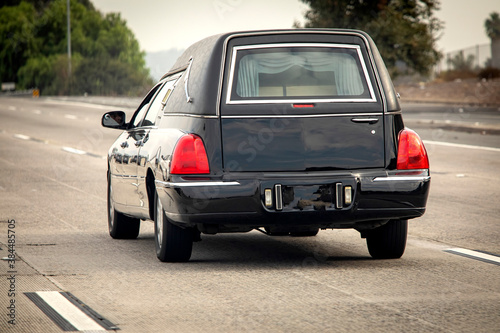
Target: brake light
411, 151
190, 156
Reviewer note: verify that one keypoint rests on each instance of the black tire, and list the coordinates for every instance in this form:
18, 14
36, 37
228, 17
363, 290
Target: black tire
173, 243
120, 226
388, 241
305, 233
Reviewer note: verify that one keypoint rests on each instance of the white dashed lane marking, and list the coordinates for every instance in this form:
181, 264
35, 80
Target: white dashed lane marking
74, 151
69, 313
66, 149
458, 145
22, 137
481, 256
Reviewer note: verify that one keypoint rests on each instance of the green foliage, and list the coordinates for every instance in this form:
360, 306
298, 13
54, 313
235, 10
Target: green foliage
16, 39
404, 30
106, 58
460, 63
492, 26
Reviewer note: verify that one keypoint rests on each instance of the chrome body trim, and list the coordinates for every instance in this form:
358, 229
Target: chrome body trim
167, 114
339, 200
186, 79
195, 184
279, 197
365, 120
402, 178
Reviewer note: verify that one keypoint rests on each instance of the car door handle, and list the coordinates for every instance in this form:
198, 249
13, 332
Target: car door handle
139, 143
124, 144
365, 120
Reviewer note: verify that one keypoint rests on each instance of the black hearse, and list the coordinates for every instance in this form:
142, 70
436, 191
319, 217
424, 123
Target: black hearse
286, 131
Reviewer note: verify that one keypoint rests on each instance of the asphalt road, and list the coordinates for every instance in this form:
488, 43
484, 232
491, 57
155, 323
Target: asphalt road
53, 185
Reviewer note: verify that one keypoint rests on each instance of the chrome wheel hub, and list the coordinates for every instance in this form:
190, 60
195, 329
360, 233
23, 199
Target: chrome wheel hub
111, 207
159, 222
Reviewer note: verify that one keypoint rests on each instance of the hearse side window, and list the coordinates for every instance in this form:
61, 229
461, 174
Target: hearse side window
320, 72
159, 102
141, 110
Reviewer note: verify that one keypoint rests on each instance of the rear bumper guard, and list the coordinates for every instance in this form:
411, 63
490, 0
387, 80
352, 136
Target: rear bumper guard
329, 200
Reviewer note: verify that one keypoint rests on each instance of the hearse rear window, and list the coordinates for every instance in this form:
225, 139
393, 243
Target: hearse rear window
298, 73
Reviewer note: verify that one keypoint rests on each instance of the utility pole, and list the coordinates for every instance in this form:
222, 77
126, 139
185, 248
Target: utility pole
69, 41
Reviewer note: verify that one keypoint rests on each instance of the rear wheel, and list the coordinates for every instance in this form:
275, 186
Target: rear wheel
173, 243
120, 226
389, 240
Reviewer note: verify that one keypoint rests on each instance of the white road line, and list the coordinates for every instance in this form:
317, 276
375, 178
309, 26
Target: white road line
458, 145
70, 116
12, 108
69, 311
22, 137
475, 255
90, 105
74, 151
66, 149
37, 112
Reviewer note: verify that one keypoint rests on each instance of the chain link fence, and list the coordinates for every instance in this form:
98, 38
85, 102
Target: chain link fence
475, 57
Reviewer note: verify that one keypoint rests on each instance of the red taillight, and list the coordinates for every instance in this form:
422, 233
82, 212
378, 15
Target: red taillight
411, 151
190, 156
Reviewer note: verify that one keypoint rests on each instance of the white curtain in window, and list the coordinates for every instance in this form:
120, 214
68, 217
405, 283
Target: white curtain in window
344, 66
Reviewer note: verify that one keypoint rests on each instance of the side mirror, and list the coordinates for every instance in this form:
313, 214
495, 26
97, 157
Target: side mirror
114, 119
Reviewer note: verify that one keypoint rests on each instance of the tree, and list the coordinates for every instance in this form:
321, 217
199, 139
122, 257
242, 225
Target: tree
404, 30
492, 26
106, 58
460, 63
16, 39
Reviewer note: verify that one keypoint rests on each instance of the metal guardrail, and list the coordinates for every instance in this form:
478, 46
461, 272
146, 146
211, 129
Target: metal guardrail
22, 93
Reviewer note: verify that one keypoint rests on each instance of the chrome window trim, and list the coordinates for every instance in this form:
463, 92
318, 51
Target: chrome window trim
361, 59
195, 184
281, 101
320, 115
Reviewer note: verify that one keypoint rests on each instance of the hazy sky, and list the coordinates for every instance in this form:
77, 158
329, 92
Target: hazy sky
164, 24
